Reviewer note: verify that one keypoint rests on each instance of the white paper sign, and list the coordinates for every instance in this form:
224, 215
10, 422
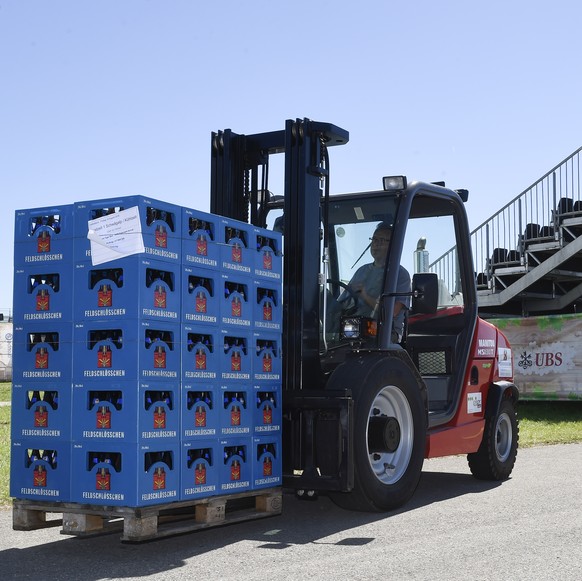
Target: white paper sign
115, 236
504, 361
474, 405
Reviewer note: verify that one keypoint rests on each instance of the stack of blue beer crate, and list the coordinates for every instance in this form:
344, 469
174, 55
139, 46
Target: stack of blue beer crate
126, 360
42, 354
166, 363
231, 307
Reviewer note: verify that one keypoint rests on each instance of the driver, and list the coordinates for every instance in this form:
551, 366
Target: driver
367, 282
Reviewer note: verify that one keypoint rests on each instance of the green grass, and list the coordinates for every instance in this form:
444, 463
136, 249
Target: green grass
4, 454
540, 423
5, 389
556, 422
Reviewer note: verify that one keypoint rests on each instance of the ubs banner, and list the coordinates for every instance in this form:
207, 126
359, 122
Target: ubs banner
5, 351
547, 355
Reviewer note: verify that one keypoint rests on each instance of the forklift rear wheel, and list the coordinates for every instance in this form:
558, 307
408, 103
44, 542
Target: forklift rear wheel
498, 450
389, 439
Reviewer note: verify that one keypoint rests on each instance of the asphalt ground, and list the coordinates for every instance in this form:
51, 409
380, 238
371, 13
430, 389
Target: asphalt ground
455, 527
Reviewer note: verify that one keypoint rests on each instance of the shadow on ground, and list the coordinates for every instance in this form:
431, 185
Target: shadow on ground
300, 523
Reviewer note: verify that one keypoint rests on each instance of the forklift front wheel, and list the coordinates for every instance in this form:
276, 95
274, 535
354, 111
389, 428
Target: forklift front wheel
389, 439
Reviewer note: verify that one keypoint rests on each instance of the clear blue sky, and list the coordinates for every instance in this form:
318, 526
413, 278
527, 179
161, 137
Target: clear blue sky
119, 97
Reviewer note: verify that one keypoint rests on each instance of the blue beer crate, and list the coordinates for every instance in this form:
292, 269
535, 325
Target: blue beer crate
125, 474
200, 239
134, 287
235, 465
160, 224
267, 464
266, 352
236, 254
267, 306
132, 349
42, 351
41, 411
268, 255
236, 411
40, 471
43, 293
267, 410
201, 353
200, 411
126, 411
200, 469
236, 309
44, 236
235, 356
200, 293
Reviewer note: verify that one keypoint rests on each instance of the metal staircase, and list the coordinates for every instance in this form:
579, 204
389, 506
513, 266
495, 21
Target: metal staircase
528, 255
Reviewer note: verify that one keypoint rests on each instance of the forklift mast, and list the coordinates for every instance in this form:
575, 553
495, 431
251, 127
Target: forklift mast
237, 164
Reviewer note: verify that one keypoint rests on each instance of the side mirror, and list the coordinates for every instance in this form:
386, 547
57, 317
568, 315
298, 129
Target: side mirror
425, 293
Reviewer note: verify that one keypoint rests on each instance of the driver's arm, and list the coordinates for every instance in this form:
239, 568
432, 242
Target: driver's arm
370, 300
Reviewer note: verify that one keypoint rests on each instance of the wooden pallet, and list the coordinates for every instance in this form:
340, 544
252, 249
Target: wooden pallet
150, 522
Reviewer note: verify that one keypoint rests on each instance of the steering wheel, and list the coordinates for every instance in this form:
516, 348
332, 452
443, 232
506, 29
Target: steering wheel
352, 300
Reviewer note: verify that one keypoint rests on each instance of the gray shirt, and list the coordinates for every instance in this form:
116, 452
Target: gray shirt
372, 278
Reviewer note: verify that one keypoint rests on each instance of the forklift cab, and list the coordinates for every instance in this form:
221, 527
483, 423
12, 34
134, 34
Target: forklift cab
418, 226
425, 224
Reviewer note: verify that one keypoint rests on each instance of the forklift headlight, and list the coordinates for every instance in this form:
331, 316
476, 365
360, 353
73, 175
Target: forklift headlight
355, 328
394, 183
351, 329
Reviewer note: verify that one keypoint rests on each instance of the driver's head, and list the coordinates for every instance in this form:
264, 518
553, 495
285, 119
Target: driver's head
380, 242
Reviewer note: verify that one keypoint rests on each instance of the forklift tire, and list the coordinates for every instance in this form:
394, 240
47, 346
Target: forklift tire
495, 458
389, 438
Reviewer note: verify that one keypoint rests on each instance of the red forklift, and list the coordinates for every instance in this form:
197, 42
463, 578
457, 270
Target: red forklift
364, 406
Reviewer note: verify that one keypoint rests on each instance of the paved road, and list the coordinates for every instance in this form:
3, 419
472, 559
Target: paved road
455, 527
